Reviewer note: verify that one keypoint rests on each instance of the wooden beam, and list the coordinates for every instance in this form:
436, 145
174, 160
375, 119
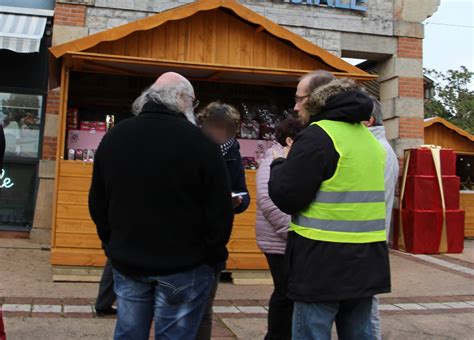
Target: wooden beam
215, 75
63, 98
110, 69
203, 66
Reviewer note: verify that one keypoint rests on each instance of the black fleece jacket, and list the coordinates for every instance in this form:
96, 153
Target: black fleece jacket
324, 271
236, 172
160, 195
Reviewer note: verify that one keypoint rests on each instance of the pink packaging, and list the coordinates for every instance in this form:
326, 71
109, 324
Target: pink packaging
79, 139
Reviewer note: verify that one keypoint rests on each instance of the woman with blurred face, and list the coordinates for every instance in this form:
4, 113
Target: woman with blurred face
221, 122
272, 232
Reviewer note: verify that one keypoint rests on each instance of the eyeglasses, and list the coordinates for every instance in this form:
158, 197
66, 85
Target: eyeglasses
196, 102
299, 99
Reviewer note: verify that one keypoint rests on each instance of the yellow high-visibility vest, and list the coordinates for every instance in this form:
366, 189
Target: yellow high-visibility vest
350, 206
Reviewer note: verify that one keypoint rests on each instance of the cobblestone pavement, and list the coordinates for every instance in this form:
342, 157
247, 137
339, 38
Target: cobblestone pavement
432, 298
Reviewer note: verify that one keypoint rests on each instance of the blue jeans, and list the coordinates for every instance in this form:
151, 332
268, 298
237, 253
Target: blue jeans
315, 320
375, 320
174, 302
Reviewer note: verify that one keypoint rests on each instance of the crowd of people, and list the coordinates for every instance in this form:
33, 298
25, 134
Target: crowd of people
324, 196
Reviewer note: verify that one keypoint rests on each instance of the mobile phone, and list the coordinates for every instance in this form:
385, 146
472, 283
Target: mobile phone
237, 194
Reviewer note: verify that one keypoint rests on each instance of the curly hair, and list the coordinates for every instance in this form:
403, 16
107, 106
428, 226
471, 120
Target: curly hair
289, 127
220, 112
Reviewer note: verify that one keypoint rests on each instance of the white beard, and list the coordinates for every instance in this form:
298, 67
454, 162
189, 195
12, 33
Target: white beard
190, 116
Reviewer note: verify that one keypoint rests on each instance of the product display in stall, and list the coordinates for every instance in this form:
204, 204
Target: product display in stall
260, 121
72, 119
93, 126
250, 163
257, 131
82, 143
249, 127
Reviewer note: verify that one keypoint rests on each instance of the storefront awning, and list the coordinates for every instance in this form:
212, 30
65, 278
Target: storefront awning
21, 33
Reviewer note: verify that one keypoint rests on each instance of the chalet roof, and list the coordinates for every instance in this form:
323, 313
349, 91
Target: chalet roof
438, 120
260, 24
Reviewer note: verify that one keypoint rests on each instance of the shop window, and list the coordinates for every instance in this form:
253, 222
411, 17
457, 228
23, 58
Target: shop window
20, 116
17, 188
465, 170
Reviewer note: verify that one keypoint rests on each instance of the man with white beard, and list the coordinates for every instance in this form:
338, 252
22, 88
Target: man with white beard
162, 205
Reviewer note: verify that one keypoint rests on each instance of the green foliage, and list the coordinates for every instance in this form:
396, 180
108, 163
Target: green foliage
453, 100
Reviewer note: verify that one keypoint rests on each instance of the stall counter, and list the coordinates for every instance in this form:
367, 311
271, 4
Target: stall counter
75, 241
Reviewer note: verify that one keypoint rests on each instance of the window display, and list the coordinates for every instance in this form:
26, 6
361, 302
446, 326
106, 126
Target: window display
20, 116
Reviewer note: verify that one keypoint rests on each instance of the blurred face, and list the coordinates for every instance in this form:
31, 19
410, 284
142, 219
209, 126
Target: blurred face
217, 131
301, 98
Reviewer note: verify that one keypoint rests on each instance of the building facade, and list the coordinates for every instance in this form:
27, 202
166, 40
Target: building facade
386, 32
25, 36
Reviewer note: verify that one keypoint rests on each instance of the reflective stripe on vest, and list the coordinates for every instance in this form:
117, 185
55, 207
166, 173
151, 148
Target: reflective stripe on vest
349, 226
350, 197
350, 206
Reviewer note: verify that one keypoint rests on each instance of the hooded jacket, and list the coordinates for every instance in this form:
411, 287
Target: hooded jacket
272, 224
390, 175
325, 271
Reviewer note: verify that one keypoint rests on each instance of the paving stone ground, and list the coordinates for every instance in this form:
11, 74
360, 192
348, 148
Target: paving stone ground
432, 298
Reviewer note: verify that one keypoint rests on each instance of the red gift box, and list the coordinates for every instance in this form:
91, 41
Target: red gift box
422, 193
421, 162
422, 231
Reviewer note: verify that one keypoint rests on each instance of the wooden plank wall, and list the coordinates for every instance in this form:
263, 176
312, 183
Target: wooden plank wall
76, 242
213, 37
467, 204
438, 134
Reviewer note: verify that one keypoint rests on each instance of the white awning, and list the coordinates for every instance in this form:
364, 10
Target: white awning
21, 33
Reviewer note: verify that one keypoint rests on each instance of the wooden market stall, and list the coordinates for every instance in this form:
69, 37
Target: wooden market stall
227, 51
439, 131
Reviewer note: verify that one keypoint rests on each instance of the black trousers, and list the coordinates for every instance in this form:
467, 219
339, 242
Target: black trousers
106, 296
280, 312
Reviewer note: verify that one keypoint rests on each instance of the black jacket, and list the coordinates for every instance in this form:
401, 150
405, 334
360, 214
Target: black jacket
236, 172
160, 195
325, 271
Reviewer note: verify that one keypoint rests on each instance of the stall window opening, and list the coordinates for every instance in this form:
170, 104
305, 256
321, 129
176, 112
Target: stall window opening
465, 170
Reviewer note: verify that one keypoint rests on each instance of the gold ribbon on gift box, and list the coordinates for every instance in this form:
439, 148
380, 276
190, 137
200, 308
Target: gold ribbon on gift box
436, 155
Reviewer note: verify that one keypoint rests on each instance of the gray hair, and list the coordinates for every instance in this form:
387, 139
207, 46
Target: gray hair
318, 78
168, 95
377, 113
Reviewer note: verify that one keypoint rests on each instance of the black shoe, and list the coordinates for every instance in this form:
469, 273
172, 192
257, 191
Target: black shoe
106, 312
